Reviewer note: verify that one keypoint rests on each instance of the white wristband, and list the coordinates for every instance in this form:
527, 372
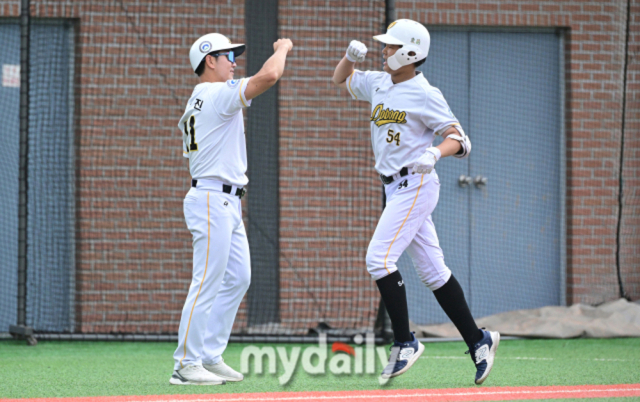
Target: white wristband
436, 152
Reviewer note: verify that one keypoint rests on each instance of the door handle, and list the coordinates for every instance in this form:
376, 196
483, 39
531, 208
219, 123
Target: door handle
464, 181
480, 181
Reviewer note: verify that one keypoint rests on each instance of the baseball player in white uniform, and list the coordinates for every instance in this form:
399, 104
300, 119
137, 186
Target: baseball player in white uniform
214, 144
406, 115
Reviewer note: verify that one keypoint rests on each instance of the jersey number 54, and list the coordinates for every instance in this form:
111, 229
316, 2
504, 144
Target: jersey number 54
390, 137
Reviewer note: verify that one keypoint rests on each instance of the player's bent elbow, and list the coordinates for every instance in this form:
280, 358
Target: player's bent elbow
270, 80
338, 81
342, 84
273, 77
465, 148
260, 84
267, 80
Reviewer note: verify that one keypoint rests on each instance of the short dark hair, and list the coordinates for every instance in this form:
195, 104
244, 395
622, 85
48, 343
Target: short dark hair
200, 69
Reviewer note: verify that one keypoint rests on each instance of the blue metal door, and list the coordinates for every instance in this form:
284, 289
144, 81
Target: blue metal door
51, 198
446, 68
501, 239
515, 217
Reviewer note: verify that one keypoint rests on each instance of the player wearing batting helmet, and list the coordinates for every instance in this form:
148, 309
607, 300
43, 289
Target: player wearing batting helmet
214, 145
406, 115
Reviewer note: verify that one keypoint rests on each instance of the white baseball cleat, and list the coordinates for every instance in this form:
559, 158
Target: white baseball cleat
195, 375
221, 370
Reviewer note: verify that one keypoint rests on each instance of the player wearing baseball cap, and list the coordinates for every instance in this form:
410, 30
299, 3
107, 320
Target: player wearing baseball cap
406, 115
214, 144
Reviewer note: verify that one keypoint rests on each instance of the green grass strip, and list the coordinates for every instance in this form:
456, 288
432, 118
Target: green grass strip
66, 369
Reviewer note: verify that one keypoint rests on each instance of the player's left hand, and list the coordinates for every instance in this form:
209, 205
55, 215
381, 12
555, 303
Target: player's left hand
356, 51
426, 162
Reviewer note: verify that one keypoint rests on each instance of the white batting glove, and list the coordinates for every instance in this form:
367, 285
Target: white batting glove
356, 51
427, 161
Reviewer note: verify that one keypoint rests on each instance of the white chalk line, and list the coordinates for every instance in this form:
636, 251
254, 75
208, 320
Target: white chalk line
478, 393
523, 358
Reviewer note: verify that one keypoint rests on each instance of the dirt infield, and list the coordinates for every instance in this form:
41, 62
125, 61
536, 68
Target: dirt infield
432, 395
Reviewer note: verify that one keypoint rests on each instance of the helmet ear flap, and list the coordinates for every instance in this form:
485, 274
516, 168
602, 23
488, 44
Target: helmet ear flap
410, 53
407, 54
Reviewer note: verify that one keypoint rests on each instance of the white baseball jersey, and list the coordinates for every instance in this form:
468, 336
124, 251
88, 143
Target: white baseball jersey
213, 132
405, 117
214, 141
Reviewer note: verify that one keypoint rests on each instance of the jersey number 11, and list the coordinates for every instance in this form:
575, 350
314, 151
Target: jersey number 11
191, 129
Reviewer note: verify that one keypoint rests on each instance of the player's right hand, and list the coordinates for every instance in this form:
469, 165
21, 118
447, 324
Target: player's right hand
427, 161
282, 43
356, 51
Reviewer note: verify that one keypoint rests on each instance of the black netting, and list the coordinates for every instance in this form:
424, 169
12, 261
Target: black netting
9, 165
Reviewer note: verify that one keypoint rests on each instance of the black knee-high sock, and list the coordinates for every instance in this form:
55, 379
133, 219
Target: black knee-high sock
394, 297
451, 299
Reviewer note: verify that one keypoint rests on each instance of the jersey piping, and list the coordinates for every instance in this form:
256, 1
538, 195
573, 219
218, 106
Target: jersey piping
240, 93
206, 265
401, 226
351, 90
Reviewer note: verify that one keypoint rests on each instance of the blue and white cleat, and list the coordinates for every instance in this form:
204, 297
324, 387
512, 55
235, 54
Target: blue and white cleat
403, 355
483, 354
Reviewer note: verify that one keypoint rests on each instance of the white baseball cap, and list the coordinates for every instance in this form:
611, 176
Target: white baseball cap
412, 36
210, 43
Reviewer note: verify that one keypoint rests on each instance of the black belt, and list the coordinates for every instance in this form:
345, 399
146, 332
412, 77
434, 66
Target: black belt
240, 192
388, 179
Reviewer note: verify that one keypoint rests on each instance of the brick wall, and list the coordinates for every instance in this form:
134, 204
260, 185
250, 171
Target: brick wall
329, 195
133, 77
594, 57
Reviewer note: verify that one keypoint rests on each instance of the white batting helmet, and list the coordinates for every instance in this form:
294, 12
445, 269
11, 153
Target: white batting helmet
412, 36
210, 43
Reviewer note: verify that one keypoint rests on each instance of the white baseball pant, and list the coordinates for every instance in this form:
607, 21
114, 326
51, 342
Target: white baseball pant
221, 273
406, 224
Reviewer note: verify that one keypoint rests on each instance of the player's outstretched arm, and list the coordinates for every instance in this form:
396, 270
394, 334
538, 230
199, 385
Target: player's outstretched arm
271, 71
355, 52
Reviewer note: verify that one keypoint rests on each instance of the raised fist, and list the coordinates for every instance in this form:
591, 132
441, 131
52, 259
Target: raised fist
356, 51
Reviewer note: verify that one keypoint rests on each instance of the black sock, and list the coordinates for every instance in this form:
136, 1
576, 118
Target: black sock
451, 299
394, 297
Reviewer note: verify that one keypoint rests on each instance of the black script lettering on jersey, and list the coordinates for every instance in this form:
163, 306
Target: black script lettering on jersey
382, 116
198, 105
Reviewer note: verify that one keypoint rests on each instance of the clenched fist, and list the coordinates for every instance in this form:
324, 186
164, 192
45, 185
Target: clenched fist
427, 161
356, 51
283, 43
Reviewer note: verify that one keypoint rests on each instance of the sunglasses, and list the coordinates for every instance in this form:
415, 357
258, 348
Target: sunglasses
230, 56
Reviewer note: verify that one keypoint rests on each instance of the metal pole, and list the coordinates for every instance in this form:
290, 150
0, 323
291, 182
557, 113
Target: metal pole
263, 297
21, 330
389, 12
622, 293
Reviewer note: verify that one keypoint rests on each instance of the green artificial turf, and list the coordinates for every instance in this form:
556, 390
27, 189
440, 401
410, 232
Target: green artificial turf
64, 369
